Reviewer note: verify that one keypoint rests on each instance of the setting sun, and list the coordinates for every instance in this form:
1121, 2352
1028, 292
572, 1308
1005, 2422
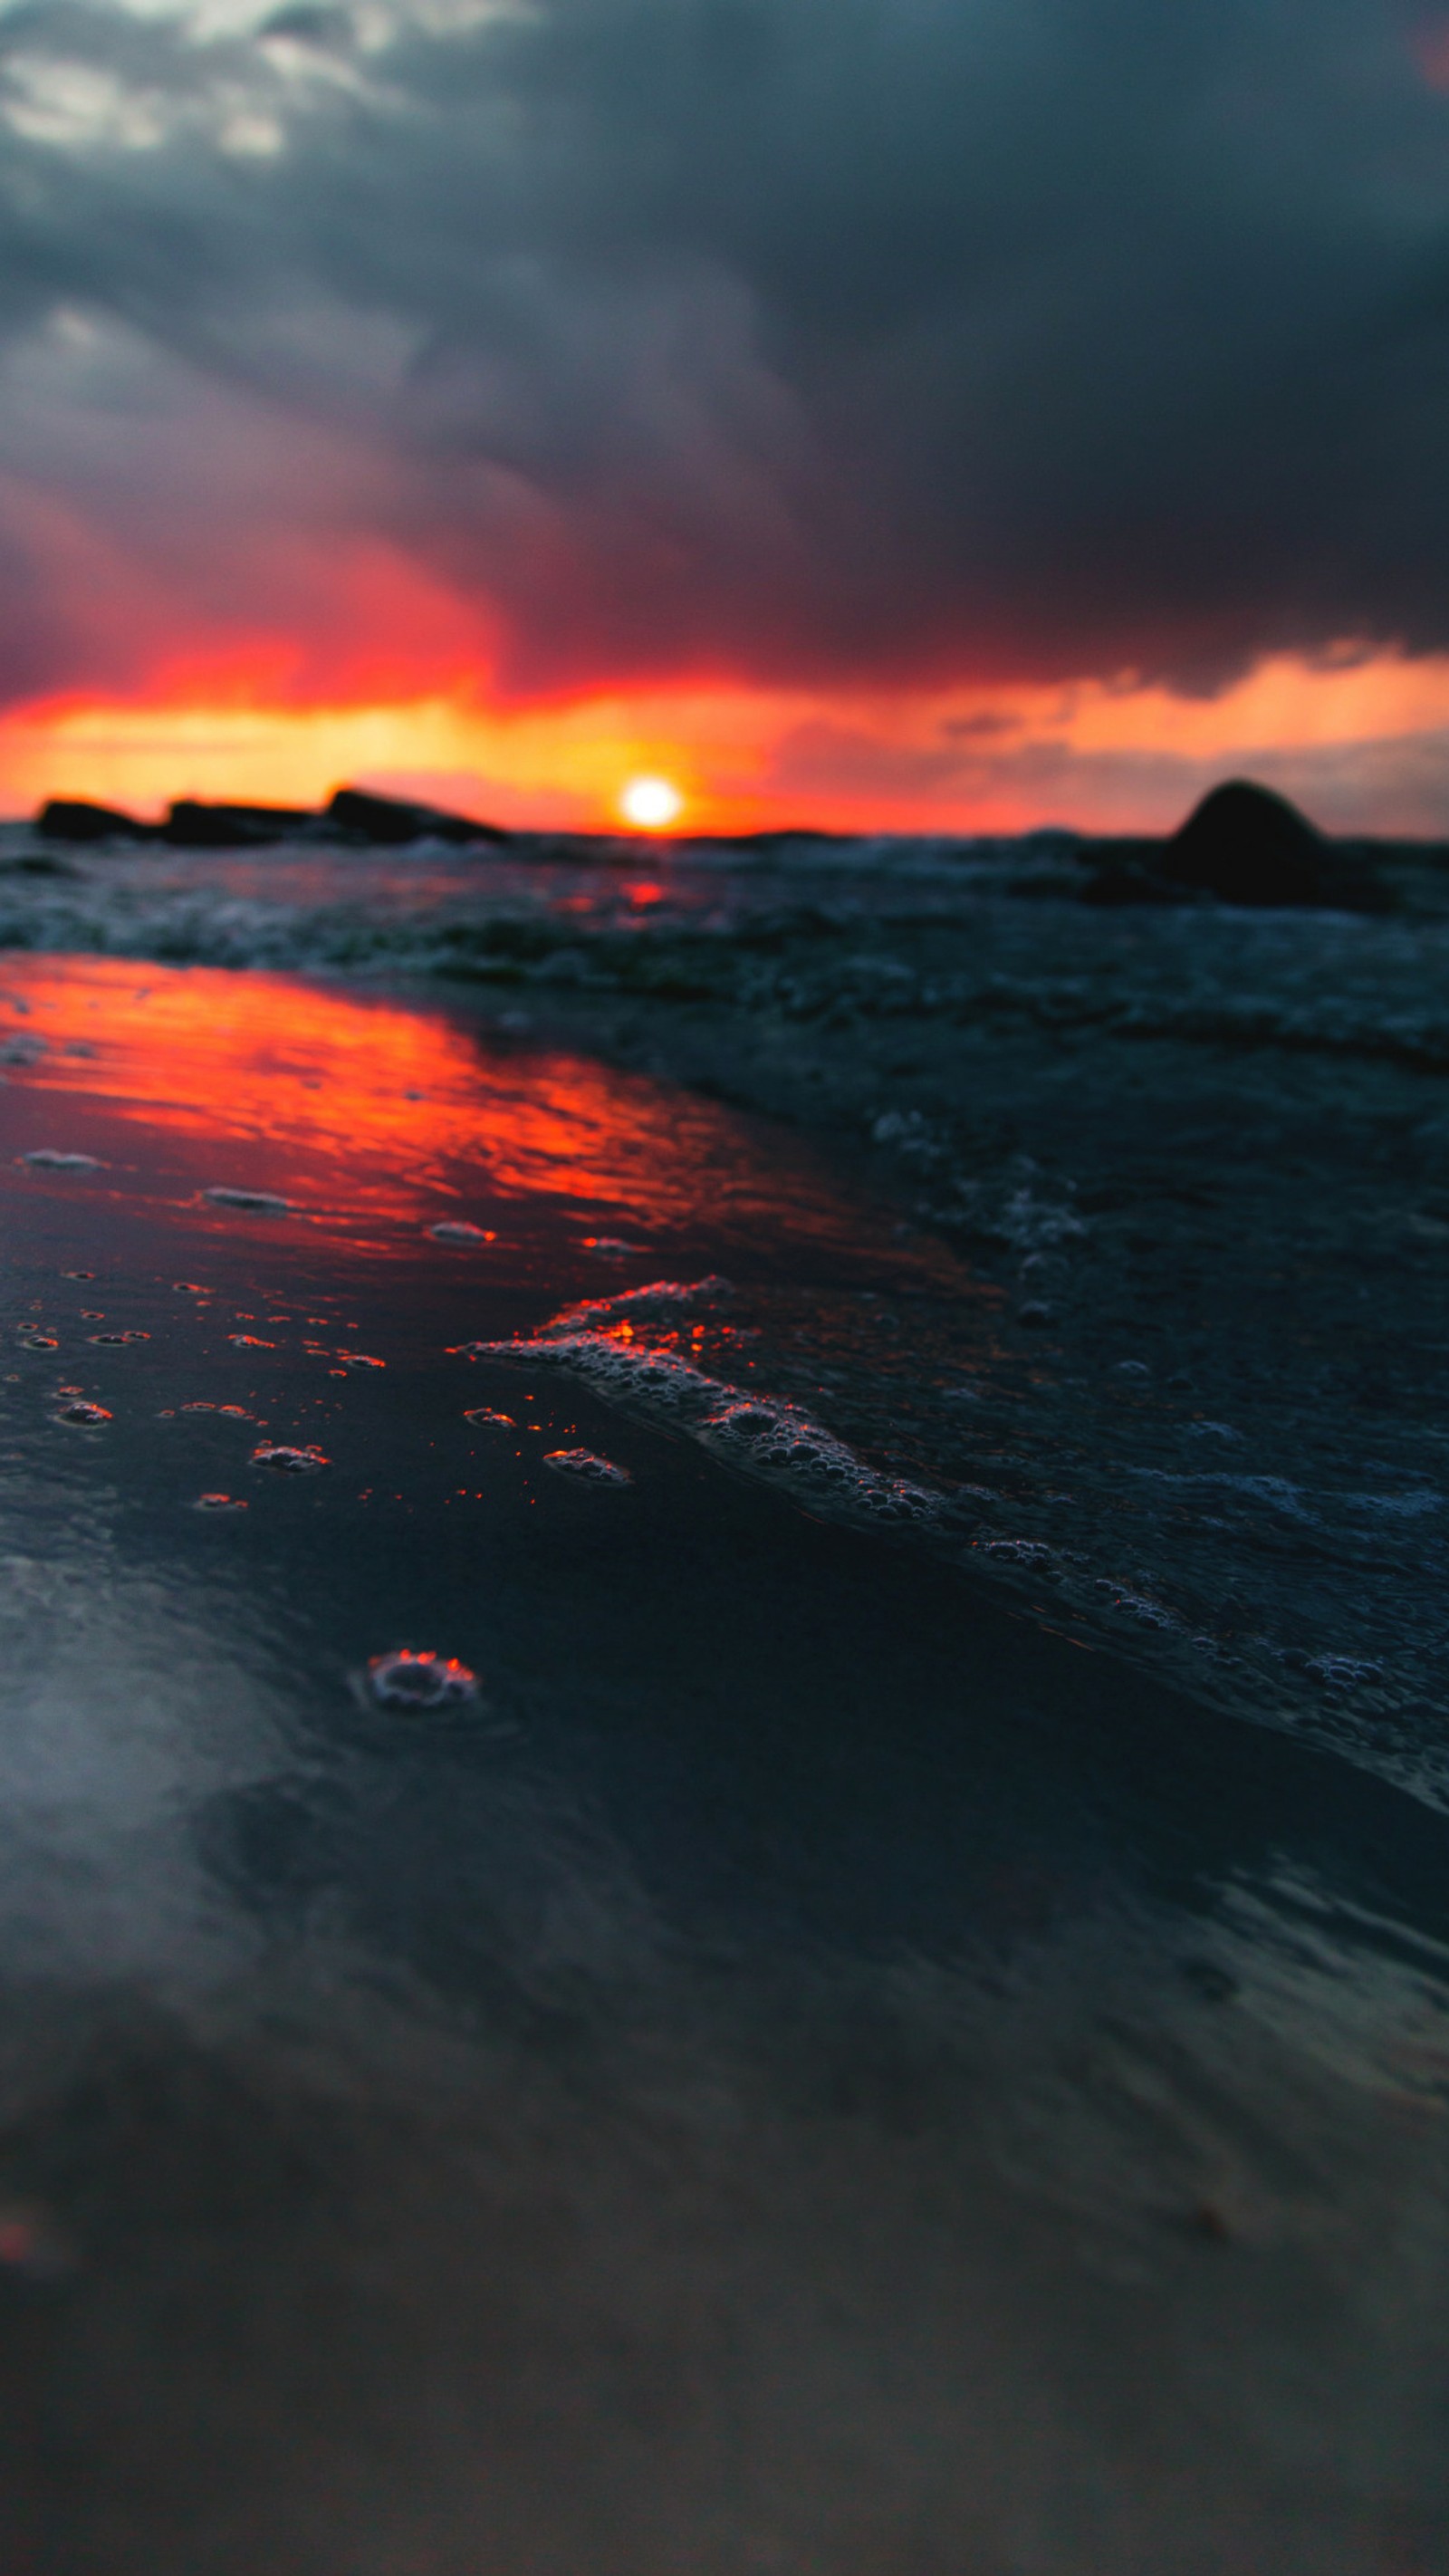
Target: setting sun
651, 804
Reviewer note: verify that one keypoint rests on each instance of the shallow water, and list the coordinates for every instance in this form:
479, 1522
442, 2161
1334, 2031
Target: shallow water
1190, 1389
801, 2068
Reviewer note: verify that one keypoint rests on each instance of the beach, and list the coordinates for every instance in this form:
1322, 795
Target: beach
725, 1762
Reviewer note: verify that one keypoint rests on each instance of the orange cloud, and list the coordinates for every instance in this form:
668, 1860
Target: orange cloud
1363, 739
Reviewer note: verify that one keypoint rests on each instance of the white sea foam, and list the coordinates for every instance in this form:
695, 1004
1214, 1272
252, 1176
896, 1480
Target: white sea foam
764, 1436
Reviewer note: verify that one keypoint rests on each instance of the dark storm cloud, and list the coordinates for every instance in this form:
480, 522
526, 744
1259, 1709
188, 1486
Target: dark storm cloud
870, 338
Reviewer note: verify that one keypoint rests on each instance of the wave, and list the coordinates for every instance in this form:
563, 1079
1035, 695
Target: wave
803, 931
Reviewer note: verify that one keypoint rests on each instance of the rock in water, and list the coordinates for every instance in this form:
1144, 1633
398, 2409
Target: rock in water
389, 821
1248, 846
71, 818
194, 826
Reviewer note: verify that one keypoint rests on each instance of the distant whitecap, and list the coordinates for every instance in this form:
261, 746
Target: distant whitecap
50, 1158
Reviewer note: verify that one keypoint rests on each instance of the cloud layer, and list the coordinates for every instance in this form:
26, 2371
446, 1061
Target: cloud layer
811, 341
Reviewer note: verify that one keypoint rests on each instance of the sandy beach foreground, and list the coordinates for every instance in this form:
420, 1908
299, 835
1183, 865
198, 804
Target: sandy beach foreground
724, 1786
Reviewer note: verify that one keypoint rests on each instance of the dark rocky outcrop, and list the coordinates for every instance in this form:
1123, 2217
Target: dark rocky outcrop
774, 842
390, 822
1245, 845
73, 818
352, 814
190, 825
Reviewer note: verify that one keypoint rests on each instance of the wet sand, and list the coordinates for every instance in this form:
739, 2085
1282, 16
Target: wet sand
821, 2064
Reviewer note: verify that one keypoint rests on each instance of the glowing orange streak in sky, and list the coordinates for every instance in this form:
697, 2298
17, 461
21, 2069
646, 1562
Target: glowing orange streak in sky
1098, 752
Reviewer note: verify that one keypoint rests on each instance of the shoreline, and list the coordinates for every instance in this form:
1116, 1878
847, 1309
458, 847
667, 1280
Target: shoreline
1210, 1273
1180, 1367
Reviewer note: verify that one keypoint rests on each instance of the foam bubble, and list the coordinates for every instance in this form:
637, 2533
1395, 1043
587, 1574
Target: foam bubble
588, 1466
782, 1441
113, 1341
458, 1230
85, 1416
413, 1679
38, 1342
480, 1415
219, 1503
50, 1158
359, 1360
287, 1461
249, 1202
249, 1342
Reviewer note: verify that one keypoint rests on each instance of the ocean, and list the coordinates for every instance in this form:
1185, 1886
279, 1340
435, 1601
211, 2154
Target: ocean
725, 1776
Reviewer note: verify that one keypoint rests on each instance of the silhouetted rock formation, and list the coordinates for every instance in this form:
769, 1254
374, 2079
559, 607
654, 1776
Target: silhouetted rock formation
389, 822
1245, 845
191, 825
780, 837
71, 818
1248, 846
351, 815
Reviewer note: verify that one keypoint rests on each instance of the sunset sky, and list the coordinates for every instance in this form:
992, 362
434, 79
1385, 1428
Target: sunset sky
882, 413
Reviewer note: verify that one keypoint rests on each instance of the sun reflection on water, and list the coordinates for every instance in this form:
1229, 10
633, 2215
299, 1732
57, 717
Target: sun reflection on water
362, 1107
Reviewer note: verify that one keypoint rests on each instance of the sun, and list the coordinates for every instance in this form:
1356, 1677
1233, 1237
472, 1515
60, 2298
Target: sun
651, 804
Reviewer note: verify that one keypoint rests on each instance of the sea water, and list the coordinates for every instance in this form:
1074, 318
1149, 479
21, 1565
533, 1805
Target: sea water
583, 1993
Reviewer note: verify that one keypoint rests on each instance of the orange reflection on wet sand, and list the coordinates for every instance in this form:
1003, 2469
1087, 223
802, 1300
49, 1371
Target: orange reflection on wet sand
347, 1102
